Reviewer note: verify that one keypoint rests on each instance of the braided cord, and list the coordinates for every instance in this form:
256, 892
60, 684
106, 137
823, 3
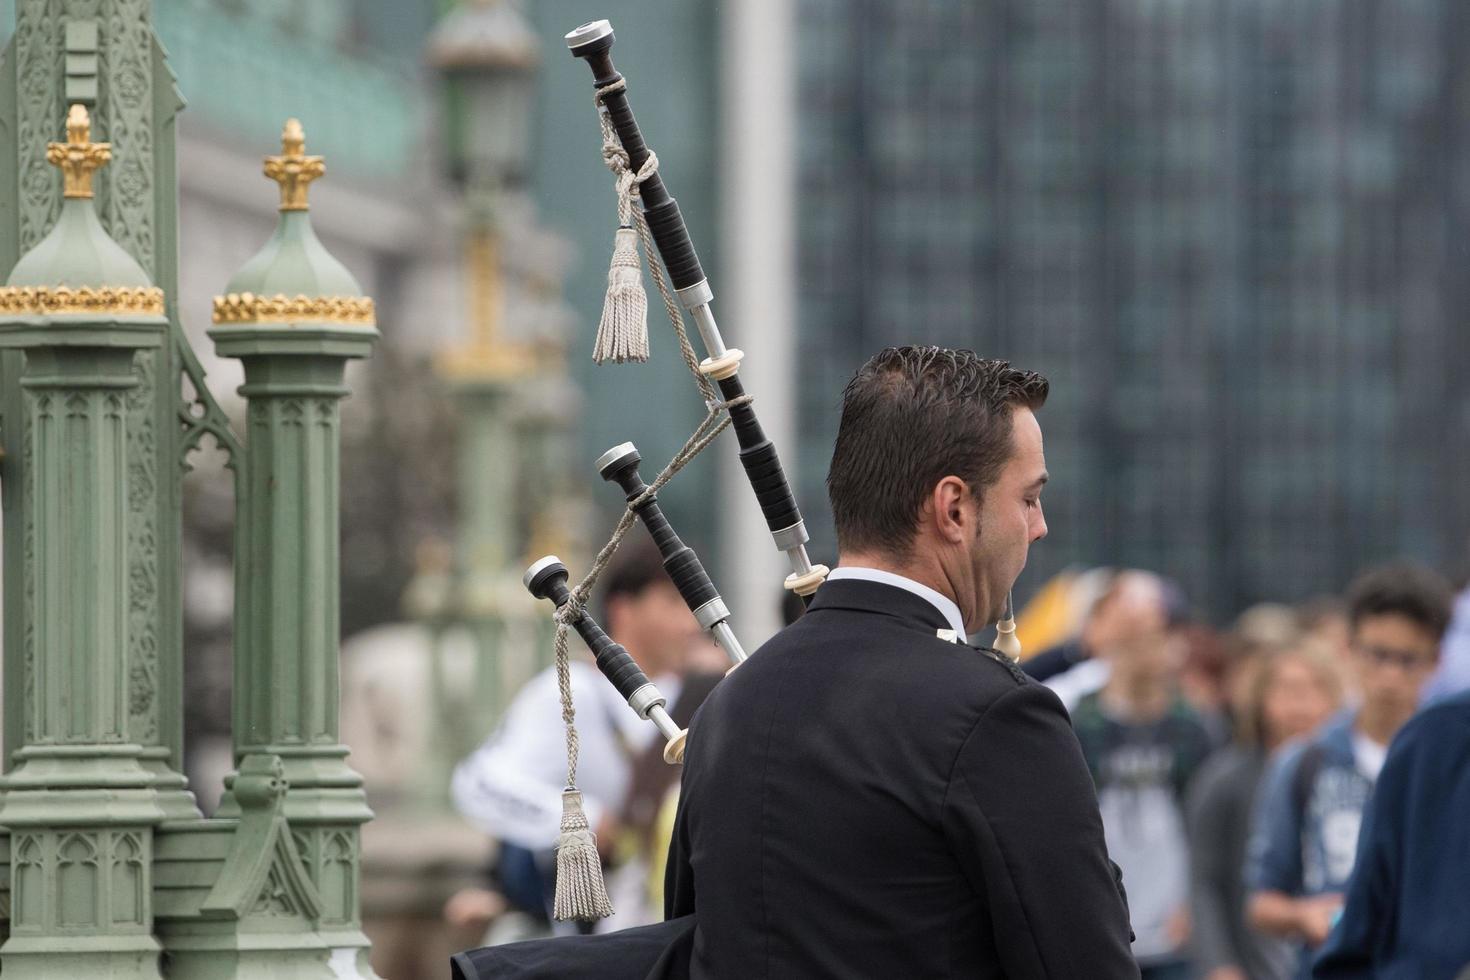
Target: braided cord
627, 183
715, 421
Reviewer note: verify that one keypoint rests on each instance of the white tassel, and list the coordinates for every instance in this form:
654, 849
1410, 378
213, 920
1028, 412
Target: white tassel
580, 891
622, 333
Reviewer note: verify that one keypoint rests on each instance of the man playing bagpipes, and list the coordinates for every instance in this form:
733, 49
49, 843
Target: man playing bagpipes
866, 795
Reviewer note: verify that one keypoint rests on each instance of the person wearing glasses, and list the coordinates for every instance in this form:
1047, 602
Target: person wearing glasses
1305, 832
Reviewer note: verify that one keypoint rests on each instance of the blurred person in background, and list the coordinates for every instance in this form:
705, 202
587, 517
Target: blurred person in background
1406, 912
511, 786
1305, 829
1143, 743
1267, 624
1453, 675
1133, 604
790, 608
1325, 619
1205, 677
641, 851
1282, 693
1098, 625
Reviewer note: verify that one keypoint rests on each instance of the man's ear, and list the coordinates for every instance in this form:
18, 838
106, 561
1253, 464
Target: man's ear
951, 518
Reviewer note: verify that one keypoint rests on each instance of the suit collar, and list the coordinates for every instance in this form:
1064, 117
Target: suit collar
860, 595
937, 599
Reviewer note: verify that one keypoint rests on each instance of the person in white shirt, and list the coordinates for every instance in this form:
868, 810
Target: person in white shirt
511, 786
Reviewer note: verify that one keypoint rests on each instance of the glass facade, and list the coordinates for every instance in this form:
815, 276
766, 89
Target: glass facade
1225, 230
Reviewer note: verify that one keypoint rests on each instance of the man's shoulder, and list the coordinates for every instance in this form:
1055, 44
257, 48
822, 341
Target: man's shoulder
1289, 762
1333, 742
1449, 718
850, 631
1011, 667
1433, 739
944, 674
1300, 767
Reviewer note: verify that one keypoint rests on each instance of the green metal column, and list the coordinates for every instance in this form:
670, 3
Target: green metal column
89, 880
294, 316
487, 460
104, 849
287, 675
79, 804
104, 55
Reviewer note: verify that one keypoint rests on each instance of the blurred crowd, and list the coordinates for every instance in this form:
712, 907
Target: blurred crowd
1234, 768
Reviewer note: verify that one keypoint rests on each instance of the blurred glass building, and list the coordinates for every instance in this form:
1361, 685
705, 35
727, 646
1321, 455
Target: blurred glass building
1227, 230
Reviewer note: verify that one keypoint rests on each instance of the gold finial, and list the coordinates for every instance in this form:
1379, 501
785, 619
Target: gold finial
78, 156
293, 169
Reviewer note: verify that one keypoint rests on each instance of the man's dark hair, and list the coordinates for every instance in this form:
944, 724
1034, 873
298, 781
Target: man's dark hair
910, 417
1419, 594
636, 566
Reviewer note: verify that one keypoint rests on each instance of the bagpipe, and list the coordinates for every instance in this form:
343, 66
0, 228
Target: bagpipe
649, 218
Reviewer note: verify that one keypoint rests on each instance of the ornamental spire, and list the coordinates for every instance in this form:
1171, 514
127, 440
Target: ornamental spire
293, 169
293, 279
78, 157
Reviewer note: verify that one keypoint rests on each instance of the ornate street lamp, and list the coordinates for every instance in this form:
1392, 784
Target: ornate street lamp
488, 55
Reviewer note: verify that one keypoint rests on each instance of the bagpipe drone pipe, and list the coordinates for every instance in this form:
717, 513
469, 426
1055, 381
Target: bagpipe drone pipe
649, 216
593, 43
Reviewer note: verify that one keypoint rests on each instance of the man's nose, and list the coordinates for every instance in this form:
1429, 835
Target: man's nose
1039, 531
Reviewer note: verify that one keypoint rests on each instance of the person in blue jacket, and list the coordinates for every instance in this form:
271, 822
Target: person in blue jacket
1408, 905
1305, 833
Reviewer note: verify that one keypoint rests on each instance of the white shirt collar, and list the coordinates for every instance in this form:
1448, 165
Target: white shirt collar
938, 600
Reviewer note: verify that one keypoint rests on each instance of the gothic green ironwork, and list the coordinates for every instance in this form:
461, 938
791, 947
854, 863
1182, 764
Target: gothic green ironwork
103, 55
107, 860
294, 316
80, 309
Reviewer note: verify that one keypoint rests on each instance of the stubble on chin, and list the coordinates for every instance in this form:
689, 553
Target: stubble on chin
996, 607
997, 611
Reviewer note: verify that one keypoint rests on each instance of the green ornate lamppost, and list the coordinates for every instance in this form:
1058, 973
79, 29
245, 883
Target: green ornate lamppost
111, 869
488, 57
80, 308
295, 316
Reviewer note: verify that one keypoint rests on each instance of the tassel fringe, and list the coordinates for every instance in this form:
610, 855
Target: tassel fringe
580, 891
622, 333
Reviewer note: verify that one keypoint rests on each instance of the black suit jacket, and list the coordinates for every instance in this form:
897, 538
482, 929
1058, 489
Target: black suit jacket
656, 952
863, 799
